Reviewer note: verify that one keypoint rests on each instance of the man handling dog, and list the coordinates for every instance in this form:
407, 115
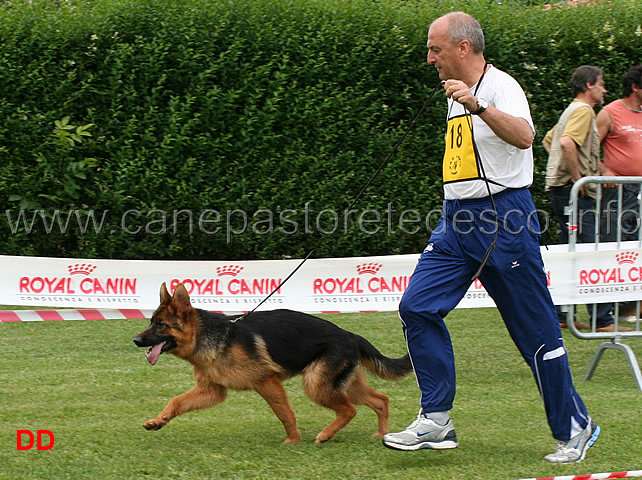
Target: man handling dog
488, 228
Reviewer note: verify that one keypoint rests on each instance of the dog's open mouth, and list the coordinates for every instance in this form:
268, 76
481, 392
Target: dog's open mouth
154, 352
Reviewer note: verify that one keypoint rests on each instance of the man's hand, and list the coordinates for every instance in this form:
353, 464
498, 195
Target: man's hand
570, 156
513, 130
460, 93
607, 172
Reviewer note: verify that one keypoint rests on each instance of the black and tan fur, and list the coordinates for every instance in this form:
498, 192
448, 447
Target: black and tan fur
260, 351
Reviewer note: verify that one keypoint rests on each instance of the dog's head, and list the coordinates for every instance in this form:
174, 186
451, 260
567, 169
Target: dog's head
171, 328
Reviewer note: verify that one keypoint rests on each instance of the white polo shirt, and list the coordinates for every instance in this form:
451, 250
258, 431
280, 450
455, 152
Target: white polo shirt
505, 166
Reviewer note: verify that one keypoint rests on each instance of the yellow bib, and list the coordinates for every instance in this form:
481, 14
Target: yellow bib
460, 161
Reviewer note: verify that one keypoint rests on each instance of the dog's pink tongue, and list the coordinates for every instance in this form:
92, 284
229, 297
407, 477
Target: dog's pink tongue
154, 353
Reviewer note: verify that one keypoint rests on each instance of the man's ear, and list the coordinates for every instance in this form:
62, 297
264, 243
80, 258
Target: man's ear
464, 48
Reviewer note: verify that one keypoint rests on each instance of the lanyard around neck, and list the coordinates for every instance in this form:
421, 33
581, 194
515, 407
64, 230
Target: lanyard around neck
480, 79
474, 93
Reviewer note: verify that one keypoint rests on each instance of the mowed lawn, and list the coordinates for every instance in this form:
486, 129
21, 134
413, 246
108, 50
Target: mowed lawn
87, 383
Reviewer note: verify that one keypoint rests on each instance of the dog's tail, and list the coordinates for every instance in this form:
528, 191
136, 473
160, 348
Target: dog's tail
379, 364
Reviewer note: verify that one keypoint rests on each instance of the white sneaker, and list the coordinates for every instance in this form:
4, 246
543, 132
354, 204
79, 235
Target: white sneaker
575, 449
423, 433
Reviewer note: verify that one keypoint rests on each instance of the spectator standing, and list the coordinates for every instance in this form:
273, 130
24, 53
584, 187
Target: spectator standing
620, 128
573, 145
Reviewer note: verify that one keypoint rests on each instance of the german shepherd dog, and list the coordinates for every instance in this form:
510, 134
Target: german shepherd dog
261, 350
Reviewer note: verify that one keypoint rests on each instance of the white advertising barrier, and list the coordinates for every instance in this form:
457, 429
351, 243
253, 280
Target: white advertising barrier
355, 284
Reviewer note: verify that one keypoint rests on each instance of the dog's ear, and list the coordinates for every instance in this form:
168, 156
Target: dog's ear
181, 299
165, 297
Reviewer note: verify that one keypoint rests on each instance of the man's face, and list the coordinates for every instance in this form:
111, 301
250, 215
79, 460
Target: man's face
637, 93
597, 91
442, 54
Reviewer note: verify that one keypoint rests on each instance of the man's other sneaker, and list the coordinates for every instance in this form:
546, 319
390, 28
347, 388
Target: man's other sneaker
423, 433
575, 449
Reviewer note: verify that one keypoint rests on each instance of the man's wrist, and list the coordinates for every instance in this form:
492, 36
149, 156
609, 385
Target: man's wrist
482, 105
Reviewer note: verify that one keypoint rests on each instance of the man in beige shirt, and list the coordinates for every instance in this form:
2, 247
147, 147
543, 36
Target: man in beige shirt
573, 145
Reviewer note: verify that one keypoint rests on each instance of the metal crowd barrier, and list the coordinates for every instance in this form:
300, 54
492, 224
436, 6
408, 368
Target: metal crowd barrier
614, 340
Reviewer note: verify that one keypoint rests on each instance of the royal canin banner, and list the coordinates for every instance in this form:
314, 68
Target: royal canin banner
356, 284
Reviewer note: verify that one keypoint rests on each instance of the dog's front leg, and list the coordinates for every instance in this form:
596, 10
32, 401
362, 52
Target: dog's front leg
273, 392
199, 397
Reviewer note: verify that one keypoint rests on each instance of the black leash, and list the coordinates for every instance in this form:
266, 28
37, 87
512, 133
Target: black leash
356, 199
487, 183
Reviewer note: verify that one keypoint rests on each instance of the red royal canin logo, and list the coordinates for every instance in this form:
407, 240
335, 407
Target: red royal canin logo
68, 285
626, 257
222, 286
361, 285
81, 269
627, 271
372, 268
231, 270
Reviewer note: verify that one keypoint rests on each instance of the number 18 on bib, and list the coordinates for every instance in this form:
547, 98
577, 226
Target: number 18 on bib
460, 159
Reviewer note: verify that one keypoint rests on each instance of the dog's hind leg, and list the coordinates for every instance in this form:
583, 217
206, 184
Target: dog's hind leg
274, 394
345, 410
320, 388
198, 397
360, 393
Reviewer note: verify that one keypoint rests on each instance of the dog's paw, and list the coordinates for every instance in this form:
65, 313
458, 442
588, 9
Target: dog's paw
323, 437
154, 425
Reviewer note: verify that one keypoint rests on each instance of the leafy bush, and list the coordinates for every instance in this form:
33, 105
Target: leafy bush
235, 129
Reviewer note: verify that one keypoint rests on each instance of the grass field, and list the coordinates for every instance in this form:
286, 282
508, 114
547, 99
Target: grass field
86, 382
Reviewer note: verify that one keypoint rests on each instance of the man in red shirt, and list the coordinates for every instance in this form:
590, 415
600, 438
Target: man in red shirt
619, 125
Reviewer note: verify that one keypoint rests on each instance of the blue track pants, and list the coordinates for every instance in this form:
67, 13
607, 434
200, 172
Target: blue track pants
515, 279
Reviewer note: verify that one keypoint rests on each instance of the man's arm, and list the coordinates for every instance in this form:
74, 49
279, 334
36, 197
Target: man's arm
548, 139
570, 157
513, 130
604, 124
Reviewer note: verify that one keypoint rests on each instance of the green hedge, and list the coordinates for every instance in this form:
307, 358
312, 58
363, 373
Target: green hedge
207, 111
